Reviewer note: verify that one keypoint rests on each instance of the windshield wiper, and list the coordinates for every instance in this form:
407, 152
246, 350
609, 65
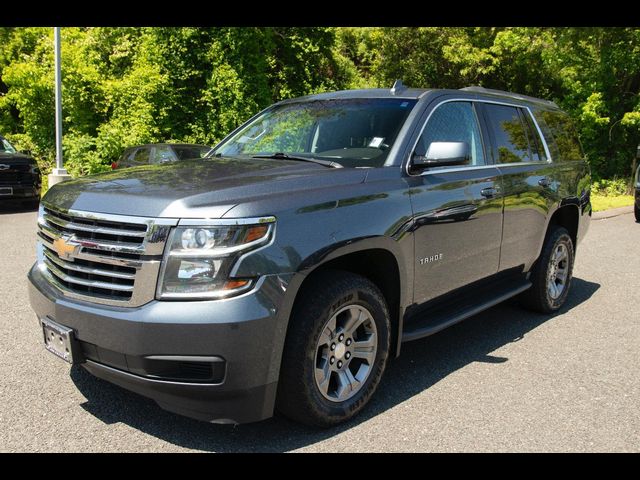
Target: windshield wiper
284, 156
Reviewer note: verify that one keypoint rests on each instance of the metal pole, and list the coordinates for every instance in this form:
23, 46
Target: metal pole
58, 100
58, 174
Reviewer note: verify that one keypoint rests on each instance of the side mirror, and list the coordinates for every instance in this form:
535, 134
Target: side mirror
26, 152
442, 154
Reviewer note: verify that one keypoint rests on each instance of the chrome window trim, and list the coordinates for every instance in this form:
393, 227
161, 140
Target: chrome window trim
407, 163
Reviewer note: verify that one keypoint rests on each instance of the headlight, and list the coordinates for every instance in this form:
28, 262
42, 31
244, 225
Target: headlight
198, 259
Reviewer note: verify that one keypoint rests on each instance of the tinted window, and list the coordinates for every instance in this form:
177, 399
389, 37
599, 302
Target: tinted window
127, 155
535, 142
511, 143
559, 126
5, 146
162, 154
184, 153
453, 122
141, 156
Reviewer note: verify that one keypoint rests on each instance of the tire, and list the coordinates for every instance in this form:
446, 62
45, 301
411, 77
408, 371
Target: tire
542, 297
313, 389
636, 211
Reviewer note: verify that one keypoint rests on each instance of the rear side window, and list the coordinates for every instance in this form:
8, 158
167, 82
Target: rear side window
510, 137
535, 142
560, 132
141, 156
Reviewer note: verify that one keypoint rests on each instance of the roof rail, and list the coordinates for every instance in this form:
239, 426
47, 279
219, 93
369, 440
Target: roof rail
398, 86
518, 96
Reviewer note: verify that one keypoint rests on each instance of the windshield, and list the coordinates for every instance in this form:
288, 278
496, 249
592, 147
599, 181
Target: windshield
5, 146
352, 132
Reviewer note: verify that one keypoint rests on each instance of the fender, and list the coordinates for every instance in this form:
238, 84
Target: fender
332, 252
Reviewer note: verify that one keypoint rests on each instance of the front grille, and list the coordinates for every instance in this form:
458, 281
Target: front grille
112, 259
16, 178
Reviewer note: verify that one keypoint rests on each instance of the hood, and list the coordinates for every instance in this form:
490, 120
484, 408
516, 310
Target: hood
202, 188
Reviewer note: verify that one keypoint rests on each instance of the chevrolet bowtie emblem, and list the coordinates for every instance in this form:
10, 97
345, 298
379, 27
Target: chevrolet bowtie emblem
63, 248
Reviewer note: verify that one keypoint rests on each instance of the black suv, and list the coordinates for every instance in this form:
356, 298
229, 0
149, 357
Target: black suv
286, 269
19, 174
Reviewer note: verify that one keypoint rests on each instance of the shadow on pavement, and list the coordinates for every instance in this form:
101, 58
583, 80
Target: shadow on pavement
422, 364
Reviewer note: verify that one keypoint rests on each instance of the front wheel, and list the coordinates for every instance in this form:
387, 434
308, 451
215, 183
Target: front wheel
551, 276
336, 349
636, 211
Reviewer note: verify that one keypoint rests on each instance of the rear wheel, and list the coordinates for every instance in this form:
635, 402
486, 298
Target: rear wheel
336, 350
636, 211
551, 276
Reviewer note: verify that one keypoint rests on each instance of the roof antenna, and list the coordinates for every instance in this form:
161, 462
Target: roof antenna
398, 86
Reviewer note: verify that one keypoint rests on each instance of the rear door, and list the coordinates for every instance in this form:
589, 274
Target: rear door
457, 209
526, 179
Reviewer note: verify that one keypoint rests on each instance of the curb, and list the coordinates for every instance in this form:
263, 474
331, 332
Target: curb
614, 212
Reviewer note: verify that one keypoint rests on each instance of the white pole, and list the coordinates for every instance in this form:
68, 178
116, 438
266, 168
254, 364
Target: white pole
58, 174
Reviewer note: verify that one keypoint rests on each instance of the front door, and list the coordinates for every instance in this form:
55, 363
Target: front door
457, 210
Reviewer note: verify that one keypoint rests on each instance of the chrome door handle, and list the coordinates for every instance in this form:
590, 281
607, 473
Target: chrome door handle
488, 192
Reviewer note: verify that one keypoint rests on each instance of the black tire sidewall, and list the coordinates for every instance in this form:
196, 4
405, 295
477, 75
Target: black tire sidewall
560, 236
352, 405
298, 395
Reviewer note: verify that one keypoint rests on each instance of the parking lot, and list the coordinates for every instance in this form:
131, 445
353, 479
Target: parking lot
504, 380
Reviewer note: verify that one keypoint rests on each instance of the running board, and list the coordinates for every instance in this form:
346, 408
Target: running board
441, 317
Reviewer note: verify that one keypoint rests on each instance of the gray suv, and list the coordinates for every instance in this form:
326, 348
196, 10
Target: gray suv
285, 270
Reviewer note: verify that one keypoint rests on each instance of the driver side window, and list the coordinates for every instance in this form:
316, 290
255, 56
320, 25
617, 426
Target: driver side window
453, 122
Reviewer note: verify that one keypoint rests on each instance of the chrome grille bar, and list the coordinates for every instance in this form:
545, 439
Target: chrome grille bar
93, 229
123, 247
87, 283
101, 258
89, 271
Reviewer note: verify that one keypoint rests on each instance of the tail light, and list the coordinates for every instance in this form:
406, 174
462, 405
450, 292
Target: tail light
114, 165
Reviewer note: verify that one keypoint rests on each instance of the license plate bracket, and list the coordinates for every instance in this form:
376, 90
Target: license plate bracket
61, 341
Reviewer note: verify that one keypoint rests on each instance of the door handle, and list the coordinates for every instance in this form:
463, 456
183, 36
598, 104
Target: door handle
544, 182
488, 192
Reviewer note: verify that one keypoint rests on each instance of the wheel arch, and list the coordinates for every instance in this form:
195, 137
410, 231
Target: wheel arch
567, 216
377, 258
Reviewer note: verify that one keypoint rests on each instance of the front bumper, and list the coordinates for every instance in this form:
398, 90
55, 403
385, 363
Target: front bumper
21, 192
246, 333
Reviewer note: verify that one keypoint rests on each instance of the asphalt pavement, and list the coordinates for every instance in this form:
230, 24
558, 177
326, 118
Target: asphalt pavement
504, 380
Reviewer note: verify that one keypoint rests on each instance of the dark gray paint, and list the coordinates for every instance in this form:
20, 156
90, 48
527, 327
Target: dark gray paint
322, 214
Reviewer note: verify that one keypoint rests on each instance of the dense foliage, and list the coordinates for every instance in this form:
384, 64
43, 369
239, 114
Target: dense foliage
125, 86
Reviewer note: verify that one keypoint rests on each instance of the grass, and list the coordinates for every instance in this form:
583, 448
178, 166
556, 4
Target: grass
599, 202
